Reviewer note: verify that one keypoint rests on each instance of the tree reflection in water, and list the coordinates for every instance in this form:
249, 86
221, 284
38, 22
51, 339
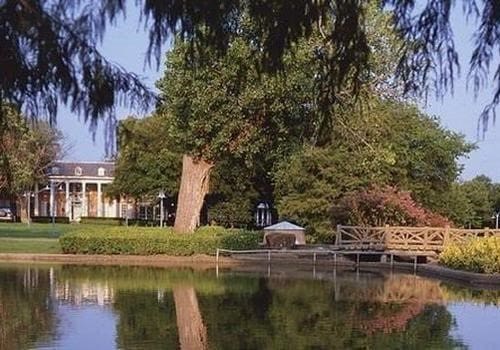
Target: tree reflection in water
26, 315
191, 309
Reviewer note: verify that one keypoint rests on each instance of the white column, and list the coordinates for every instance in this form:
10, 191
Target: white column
118, 204
84, 200
99, 200
66, 206
51, 200
37, 193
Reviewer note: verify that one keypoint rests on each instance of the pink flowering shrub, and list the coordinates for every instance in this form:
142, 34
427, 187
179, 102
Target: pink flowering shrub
379, 206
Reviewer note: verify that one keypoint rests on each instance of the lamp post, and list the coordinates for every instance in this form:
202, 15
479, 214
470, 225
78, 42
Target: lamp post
496, 215
161, 196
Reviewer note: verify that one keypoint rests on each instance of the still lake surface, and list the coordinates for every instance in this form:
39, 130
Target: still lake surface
109, 307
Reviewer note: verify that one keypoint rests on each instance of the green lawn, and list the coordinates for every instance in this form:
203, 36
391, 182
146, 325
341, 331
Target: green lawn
29, 245
18, 230
35, 238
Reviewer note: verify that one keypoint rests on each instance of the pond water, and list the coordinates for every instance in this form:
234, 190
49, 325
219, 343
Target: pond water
105, 307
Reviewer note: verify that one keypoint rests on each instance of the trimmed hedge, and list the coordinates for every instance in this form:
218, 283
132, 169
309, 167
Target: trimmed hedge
48, 219
476, 255
100, 221
118, 221
153, 241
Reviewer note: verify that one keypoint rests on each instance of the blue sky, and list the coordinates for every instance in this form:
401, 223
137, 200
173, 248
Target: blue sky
126, 44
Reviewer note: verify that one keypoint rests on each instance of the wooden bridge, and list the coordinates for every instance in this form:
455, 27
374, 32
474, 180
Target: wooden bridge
402, 242
404, 239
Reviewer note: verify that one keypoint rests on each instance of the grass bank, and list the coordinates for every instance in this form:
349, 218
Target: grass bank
35, 238
30, 245
476, 255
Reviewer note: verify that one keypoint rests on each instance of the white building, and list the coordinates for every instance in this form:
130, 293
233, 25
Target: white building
77, 189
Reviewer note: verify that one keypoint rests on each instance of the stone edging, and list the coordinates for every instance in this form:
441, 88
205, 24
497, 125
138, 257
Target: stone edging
472, 278
202, 261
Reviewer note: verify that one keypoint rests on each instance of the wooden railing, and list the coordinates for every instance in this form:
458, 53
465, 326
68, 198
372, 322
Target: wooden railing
404, 238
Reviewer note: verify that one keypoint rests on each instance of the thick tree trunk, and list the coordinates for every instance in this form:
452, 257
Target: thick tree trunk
192, 331
194, 186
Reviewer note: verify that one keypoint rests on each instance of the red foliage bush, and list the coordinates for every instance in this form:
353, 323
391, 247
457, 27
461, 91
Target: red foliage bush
379, 206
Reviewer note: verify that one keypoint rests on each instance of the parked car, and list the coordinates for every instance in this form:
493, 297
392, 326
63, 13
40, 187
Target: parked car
6, 214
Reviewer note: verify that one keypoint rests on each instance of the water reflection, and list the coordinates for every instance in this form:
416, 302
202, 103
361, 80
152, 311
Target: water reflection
154, 308
26, 309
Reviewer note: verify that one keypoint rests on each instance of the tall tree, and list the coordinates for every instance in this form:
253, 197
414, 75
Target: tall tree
26, 151
146, 162
224, 108
391, 143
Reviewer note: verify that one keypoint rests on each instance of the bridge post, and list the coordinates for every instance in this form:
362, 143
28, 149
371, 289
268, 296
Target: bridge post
337, 236
446, 237
387, 237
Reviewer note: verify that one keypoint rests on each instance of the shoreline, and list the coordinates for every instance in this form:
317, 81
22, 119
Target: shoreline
472, 279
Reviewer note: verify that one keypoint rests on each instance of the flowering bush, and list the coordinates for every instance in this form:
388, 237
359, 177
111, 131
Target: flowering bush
379, 206
476, 255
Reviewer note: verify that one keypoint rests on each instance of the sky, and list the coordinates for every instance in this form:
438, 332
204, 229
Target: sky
126, 44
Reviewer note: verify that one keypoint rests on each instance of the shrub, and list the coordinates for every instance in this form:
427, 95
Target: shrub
101, 221
379, 206
48, 219
152, 241
476, 255
118, 221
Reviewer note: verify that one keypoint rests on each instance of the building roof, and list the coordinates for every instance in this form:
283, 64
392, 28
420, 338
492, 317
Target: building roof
82, 169
284, 226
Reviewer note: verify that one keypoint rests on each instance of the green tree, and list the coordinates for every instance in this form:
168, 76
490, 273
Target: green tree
26, 151
223, 108
146, 163
479, 193
392, 143
456, 205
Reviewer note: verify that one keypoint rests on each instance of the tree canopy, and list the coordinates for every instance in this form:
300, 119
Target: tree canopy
146, 162
26, 151
49, 50
391, 144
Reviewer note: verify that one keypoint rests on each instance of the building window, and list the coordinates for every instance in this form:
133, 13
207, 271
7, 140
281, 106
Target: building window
55, 170
78, 171
101, 172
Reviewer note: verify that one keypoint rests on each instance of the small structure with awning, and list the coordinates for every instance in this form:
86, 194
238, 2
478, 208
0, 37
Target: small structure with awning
285, 227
